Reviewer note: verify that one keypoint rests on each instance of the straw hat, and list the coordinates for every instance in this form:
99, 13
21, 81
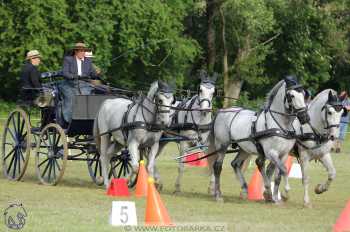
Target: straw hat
81, 46
33, 54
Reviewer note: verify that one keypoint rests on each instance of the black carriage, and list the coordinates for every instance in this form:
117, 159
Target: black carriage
52, 140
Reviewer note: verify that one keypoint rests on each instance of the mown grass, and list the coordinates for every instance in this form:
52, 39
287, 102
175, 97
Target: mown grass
77, 204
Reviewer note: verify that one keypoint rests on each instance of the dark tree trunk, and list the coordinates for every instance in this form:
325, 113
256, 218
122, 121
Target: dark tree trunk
211, 8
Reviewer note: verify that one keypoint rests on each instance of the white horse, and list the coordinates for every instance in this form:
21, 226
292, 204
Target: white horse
266, 134
199, 120
140, 124
316, 140
192, 120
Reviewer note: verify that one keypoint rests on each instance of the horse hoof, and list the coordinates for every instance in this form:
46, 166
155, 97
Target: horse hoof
308, 205
219, 199
177, 192
211, 191
268, 196
159, 186
243, 195
279, 203
319, 189
284, 197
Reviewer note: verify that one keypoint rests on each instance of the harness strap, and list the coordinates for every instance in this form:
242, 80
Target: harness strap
190, 126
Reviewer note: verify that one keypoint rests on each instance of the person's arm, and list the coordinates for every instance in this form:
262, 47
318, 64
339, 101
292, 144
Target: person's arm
66, 70
92, 71
34, 78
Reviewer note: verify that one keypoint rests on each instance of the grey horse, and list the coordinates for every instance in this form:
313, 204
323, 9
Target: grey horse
141, 124
265, 134
192, 120
315, 141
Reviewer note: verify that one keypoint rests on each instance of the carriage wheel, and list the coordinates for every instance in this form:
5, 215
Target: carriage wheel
95, 169
16, 145
51, 154
121, 168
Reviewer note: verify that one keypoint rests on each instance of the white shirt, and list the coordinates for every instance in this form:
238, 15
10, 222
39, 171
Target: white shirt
79, 61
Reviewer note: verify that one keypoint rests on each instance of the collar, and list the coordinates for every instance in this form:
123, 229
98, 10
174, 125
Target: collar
79, 59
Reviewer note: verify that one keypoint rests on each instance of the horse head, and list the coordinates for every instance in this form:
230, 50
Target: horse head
295, 99
333, 110
206, 90
162, 95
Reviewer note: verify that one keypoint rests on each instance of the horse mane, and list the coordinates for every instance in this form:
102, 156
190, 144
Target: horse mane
153, 90
270, 95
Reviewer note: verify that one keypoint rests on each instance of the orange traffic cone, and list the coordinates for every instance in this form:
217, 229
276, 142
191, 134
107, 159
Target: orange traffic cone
141, 184
118, 187
289, 163
256, 187
156, 213
343, 222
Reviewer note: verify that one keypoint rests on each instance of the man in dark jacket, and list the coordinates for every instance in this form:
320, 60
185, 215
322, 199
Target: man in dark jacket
74, 68
30, 76
78, 65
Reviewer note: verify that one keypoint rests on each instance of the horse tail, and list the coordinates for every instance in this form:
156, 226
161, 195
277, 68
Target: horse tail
96, 133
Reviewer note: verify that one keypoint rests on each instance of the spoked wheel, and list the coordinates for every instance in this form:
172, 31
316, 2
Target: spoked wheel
95, 169
51, 154
16, 145
121, 168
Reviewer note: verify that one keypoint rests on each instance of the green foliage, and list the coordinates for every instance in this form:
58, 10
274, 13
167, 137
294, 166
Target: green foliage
310, 41
136, 42
146, 36
27, 25
149, 34
248, 24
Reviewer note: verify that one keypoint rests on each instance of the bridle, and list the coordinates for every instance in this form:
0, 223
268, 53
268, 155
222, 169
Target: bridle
325, 108
316, 136
158, 102
288, 99
201, 100
291, 111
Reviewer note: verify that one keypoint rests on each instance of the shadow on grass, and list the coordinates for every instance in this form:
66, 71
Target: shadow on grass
70, 182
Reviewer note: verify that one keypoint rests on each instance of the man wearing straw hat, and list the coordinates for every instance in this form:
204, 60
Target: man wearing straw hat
78, 65
76, 70
30, 76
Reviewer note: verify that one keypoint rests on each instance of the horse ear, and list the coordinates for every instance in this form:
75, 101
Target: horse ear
290, 81
331, 97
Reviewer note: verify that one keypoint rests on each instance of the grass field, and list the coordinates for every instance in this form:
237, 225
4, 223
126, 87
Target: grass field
76, 204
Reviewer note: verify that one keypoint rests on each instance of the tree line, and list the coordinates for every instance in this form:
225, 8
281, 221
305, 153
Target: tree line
251, 43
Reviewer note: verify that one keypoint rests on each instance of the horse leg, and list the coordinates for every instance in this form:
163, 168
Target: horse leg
181, 167
260, 162
133, 147
284, 194
304, 164
157, 178
270, 170
237, 165
211, 160
217, 172
327, 162
105, 158
282, 170
151, 161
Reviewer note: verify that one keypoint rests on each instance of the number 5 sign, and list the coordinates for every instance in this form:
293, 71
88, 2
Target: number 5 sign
123, 213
